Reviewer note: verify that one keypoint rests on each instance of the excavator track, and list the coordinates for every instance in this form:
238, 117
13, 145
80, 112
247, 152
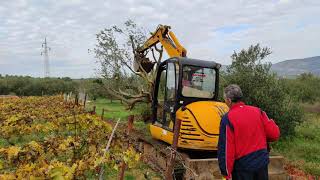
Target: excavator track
193, 165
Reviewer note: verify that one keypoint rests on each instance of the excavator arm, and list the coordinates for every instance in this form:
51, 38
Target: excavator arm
168, 41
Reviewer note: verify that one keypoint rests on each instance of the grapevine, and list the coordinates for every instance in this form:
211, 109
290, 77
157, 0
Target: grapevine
43, 137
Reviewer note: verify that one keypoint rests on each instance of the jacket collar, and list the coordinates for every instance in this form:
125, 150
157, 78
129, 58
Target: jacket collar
238, 104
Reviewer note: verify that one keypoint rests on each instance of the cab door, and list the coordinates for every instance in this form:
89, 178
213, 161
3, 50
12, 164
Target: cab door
170, 96
164, 97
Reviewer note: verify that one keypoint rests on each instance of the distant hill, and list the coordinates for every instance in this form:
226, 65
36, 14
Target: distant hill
295, 67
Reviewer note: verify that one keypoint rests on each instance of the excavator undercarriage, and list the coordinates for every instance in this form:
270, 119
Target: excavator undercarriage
195, 165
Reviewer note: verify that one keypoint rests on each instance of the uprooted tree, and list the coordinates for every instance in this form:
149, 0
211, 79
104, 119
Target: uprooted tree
115, 51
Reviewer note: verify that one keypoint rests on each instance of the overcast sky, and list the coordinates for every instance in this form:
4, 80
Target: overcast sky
209, 29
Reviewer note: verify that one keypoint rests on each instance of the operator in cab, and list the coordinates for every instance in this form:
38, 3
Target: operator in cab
244, 133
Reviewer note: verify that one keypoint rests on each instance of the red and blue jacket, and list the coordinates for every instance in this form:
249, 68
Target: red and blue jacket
244, 133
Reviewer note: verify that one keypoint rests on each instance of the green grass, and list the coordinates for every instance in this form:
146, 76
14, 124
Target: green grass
112, 109
115, 110
303, 150
141, 171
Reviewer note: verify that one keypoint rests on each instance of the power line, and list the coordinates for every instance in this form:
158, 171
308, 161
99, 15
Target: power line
44, 52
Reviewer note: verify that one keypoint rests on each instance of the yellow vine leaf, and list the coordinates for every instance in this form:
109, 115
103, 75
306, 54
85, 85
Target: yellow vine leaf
115, 167
25, 170
60, 171
62, 147
137, 157
13, 151
57, 173
7, 176
35, 146
1, 164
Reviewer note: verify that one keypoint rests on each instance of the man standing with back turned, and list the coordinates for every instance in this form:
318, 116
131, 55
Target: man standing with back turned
244, 133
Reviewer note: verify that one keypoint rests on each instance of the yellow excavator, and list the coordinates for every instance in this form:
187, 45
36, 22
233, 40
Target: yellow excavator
187, 89
190, 94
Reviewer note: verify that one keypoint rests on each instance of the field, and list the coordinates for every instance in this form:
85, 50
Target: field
43, 137
302, 151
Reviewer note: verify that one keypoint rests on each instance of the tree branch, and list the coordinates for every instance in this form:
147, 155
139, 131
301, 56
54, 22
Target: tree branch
142, 94
160, 51
133, 99
116, 95
130, 68
154, 57
132, 104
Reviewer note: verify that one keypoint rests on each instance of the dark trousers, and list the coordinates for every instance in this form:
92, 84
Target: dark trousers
260, 174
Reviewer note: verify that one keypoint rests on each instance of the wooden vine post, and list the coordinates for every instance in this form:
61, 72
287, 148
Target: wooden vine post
107, 148
102, 114
123, 164
85, 100
173, 154
93, 110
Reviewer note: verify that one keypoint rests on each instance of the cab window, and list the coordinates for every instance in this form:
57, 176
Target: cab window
198, 82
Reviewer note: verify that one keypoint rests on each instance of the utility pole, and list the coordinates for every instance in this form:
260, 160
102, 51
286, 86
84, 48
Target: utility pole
44, 52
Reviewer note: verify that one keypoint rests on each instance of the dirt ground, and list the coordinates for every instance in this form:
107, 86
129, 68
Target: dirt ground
313, 108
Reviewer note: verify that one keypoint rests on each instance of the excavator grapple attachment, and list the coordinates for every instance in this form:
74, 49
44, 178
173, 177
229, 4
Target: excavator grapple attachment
145, 62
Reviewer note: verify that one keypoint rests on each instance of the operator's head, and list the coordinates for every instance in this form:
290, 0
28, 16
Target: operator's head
232, 94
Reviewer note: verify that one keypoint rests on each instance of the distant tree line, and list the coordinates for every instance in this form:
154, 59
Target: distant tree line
304, 88
30, 86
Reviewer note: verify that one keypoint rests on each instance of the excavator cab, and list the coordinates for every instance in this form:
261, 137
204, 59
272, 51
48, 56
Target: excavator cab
186, 88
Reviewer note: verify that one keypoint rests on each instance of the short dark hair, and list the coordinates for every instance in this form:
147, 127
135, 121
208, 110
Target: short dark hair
233, 92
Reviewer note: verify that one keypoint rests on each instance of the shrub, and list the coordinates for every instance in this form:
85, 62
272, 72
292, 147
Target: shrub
262, 88
305, 88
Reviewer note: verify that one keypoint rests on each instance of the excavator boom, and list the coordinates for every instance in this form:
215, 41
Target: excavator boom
168, 41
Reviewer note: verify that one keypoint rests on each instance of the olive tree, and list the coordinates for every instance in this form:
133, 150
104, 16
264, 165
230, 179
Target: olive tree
116, 53
261, 87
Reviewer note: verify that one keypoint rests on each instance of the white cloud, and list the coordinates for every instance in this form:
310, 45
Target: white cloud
290, 27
